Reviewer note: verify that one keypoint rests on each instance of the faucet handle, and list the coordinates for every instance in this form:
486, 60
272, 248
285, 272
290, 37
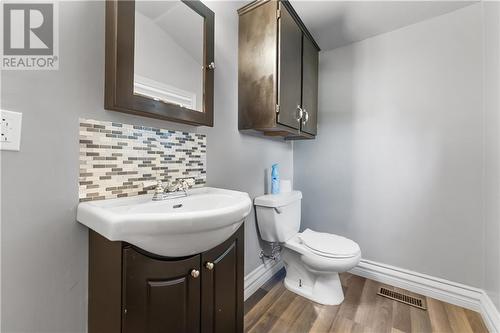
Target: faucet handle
187, 183
172, 186
159, 187
159, 191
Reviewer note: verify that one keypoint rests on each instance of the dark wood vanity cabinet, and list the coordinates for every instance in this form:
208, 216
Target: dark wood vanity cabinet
222, 285
160, 295
132, 291
278, 72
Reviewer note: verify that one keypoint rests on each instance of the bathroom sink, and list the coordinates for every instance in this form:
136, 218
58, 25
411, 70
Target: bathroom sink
173, 227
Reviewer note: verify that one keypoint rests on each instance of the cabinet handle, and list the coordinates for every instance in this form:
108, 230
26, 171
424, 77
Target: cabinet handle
195, 273
300, 113
306, 118
209, 265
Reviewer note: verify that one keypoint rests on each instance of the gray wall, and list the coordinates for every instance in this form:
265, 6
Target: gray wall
237, 161
397, 164
43, 248
491, 12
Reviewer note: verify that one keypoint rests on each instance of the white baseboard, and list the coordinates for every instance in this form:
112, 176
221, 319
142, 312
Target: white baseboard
490, 314
256, 278
451, 292
444, 290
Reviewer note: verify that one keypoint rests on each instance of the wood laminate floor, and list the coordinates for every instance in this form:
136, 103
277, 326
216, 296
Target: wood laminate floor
274, 309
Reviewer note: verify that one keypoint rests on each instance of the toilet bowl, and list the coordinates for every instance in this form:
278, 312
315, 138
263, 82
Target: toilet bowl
313, 260
315, 275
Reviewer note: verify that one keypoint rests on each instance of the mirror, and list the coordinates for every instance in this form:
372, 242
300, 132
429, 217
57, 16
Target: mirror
168, 53
160, 59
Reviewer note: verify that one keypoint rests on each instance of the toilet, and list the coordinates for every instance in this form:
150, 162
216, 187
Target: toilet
313, 260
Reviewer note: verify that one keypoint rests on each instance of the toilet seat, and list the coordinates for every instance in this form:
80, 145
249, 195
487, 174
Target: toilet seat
319, 262
328, 245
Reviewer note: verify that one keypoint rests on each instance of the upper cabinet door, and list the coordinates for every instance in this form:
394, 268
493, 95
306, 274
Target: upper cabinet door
257, 54
290, 74
309, 87
160, 295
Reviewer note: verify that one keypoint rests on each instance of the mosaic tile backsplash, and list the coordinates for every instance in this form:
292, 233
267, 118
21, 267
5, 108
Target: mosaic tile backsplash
116, 159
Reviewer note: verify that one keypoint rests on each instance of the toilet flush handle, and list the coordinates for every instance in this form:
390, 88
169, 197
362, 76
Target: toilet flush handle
278, 210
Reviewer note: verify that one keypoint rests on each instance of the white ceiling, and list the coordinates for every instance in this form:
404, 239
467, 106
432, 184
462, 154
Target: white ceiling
338, 23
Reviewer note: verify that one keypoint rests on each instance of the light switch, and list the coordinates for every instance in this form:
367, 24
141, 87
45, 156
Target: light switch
10, 130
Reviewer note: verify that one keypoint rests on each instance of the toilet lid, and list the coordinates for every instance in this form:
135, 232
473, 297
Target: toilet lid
329, 245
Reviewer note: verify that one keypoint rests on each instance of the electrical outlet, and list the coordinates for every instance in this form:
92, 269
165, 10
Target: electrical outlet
10, 130
5, 130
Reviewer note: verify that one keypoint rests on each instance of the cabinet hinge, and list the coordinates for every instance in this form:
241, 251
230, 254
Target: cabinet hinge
277, 108
278, 13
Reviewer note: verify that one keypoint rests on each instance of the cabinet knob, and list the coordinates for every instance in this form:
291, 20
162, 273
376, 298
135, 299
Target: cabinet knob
300, 113
209, 265
195, 273
211, 65
306, 117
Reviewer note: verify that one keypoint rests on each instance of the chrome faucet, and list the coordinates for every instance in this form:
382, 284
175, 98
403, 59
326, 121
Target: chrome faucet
171, 190
159, 192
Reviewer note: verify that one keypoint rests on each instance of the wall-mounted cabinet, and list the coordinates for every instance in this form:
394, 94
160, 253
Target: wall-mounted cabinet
133, 291
278, 72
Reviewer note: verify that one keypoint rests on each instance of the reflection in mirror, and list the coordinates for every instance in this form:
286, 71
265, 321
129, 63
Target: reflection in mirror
168, 55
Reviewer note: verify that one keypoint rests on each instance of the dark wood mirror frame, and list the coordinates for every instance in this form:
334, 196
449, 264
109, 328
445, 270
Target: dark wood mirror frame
119, 81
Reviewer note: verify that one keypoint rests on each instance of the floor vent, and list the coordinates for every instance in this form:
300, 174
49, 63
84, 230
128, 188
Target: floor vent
410, 300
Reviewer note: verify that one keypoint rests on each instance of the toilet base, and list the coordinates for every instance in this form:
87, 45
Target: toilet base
320, 287
326, 290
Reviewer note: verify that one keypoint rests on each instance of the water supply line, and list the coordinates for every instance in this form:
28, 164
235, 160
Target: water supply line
275, 252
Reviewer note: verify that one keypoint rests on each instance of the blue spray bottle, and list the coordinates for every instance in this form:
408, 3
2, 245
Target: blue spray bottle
275, 179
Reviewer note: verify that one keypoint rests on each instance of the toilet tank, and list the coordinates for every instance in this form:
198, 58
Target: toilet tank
278, 215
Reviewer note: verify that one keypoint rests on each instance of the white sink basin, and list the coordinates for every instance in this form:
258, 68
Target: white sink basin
203, 219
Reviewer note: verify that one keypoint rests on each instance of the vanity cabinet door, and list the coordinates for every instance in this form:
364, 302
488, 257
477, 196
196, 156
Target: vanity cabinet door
222, 287
290, 74
160, 295
309, 86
